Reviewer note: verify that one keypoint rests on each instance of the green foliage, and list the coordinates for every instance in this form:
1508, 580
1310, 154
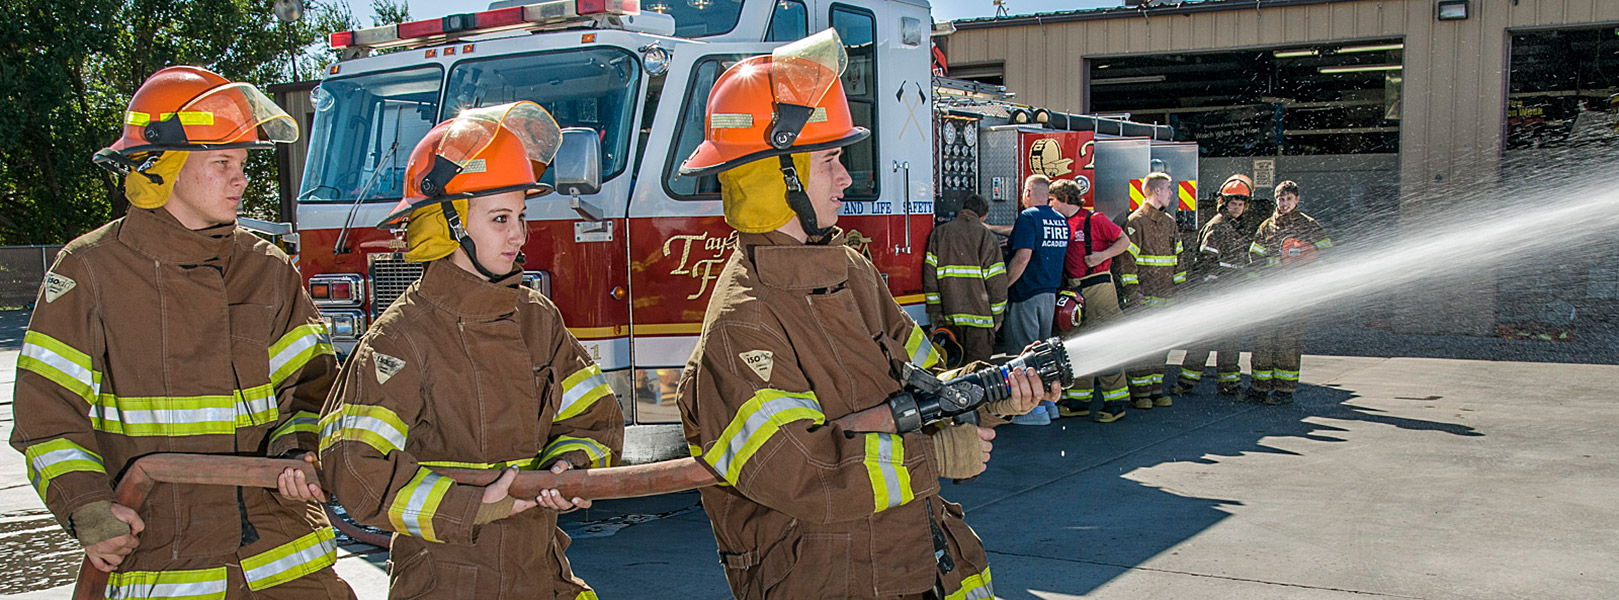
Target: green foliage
69, 67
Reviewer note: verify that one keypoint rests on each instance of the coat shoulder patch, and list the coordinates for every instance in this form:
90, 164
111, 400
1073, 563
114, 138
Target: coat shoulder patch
56, 285
761, 361
387, 366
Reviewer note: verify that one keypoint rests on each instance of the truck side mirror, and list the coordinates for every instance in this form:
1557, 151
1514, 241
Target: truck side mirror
578, 165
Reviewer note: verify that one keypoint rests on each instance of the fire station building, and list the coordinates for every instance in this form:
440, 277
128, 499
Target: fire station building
1385, 111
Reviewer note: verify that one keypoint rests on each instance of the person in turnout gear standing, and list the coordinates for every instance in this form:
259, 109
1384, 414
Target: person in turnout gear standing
173, 330
785, 397
1288, 239
1222, 257
1095, 241
1149, 274
964, 280
470, 369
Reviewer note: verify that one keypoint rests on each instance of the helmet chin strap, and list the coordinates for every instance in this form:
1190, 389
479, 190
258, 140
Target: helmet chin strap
799, 200
461, 237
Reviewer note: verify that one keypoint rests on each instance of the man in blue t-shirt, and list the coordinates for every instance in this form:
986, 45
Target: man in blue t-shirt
1039, 245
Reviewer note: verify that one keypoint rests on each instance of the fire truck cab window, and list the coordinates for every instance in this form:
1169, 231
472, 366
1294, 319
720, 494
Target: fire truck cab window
858, 28
789, 21
689, 133
588, 87
365, 127
699, 18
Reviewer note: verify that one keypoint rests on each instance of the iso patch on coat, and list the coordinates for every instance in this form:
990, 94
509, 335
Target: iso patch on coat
57, 285
387, 366
761, 361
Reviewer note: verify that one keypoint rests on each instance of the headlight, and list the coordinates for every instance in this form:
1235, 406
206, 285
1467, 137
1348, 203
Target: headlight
655, 59
344, 324
337, 290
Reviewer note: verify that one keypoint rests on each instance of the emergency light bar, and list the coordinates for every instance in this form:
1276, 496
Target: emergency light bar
456, 26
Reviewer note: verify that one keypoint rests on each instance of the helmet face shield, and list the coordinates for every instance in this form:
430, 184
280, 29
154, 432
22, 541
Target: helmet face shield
474, 130
234, 113
803, 71
481, 151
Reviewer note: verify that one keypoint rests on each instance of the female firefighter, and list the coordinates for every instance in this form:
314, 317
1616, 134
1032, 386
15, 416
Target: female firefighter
469, 369
784, 397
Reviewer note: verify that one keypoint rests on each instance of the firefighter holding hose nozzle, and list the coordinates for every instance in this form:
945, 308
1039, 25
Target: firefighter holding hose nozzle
786, 396
469, 369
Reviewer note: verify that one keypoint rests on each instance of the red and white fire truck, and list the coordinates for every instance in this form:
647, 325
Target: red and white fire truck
628, 249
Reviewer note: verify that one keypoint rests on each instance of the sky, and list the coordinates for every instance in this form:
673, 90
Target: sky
943, 10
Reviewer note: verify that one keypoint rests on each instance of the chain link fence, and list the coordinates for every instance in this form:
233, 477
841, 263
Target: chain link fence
22, 268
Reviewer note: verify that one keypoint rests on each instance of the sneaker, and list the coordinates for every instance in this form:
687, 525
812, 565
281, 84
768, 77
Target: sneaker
1181, 389
1162, 401
1038, 416
1112, 411
1279, 398
1051, 410
1063, 410
1142, 403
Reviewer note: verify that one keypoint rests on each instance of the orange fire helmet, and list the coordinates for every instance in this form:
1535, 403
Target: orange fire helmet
480, 152
1238, 185
1070, 311
189, 108
785, 103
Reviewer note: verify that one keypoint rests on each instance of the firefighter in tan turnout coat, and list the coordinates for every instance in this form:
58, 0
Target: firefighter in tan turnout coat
172, 330
1288, 239
469, 369
964, 280
1222, 257
784, 398
1149, 275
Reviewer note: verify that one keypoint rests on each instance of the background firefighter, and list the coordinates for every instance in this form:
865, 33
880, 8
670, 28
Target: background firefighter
1288, 239
171, 329
469, 369
964, 280
1094, 243
785, 395
1222, 257
1149, 274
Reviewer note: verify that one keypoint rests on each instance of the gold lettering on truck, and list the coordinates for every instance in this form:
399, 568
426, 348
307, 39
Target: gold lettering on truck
710, 257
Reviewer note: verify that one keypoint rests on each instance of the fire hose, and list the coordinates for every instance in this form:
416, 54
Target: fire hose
925, 400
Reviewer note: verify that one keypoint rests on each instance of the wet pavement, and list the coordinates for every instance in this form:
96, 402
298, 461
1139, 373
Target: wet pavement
1389, 477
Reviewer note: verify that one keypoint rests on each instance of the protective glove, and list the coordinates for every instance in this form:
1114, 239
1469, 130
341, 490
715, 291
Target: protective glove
958, 451
94, 523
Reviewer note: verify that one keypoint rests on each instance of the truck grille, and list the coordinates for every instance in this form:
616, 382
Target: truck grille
390, 275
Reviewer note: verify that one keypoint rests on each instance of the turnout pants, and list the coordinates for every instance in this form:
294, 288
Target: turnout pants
977, 343
1277, 348
1228, 374
1101, 308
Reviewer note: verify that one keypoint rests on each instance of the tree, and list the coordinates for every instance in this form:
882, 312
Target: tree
69, 67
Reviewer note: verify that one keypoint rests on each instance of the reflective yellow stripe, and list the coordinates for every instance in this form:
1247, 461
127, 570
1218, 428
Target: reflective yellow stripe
63, 364
1264, 375
184, 415
997, 308
1179, 277
970, 320
931, 259
581, 390
52, 459
1256, 248
1324, 243
291, 560
1129, 279
586, 595
376, 426
600, 455
1122, 393
200, 584
755, 423
1134, 249
962, 271
885, 464
296, 349
302, 421
1156, 260
920, 349
995, 269
417, 502
975, 587
1286, 375
933, 298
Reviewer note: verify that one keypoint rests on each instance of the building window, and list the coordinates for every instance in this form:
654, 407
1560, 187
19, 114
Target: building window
1564, 88
788, 21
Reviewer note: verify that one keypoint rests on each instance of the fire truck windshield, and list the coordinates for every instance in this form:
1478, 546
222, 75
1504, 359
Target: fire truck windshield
698, 18
365, 127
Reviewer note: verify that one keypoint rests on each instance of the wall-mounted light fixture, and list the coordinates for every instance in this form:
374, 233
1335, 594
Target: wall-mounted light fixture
1451, 10
1359, 69
1295, 53
1126, 80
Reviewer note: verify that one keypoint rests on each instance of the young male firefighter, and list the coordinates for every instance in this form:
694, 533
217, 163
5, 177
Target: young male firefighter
1288, 239
1149, 274
171, 330
964, 280
470, 369
1222, 257
1094, 243
785, 395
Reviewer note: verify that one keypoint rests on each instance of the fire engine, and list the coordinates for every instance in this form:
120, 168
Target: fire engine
628, 249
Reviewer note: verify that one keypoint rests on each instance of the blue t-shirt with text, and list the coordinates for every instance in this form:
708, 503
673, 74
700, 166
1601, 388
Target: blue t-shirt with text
1044, 231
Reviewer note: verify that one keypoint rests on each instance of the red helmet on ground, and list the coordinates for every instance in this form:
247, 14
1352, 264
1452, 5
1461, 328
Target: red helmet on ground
1070, 311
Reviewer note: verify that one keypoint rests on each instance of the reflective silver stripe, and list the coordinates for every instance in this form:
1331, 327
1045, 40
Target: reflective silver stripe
63, 364
757, 421
578, 391
923, 350
376, 426
189, 585
298, 346
317, 556
416, 507
885, 463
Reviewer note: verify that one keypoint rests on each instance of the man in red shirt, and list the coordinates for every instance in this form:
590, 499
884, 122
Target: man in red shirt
1092, 245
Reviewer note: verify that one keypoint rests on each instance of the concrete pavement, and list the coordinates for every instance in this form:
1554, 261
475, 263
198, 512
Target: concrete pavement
1390, 477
